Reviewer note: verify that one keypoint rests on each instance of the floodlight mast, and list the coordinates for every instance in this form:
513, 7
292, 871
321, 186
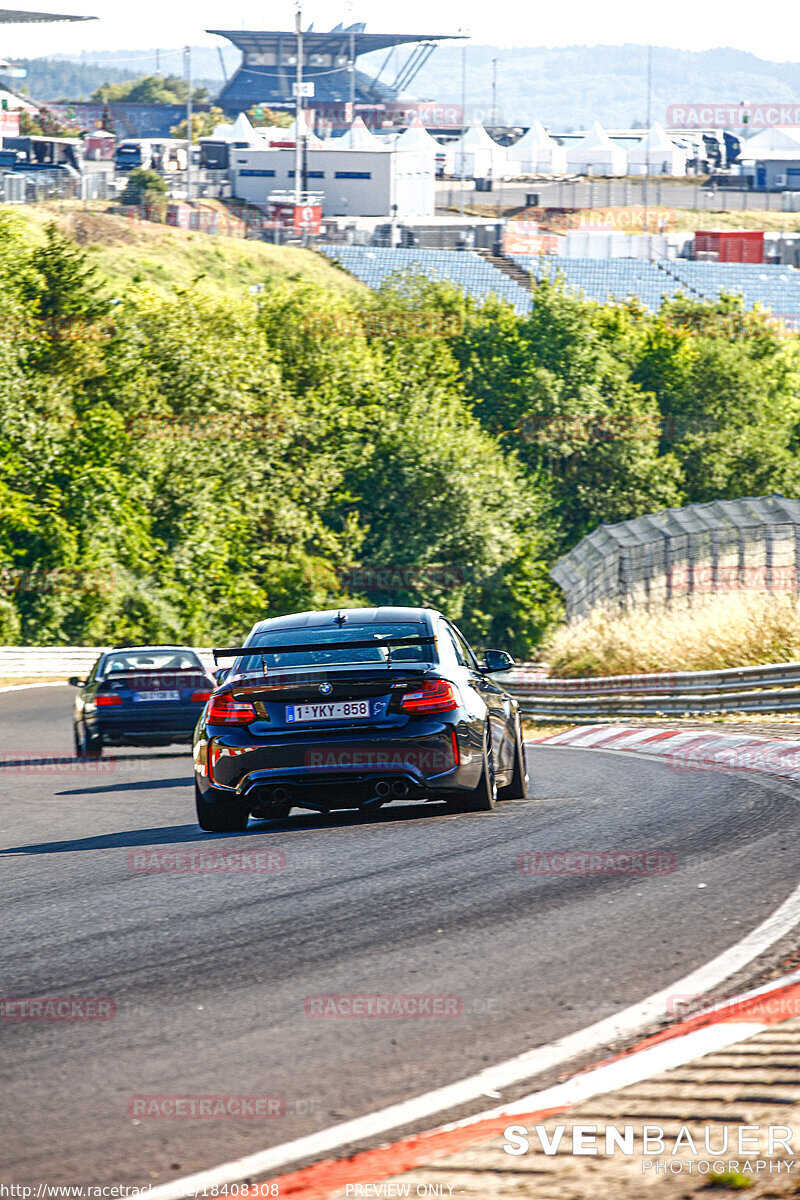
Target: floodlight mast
187, 57
298, 106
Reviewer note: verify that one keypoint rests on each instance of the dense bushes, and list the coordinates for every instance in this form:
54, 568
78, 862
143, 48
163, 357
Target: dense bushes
181, 467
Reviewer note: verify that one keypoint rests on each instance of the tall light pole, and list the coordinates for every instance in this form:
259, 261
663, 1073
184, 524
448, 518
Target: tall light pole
463, 113
647, 137
298, 106
187, 58
494, 92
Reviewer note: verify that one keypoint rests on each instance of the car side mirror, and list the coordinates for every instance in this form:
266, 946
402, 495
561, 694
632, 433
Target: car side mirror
498, 660
76, 681
221, 675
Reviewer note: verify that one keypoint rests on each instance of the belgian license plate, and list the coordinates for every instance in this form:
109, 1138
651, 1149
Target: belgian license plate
139, 696
341, 710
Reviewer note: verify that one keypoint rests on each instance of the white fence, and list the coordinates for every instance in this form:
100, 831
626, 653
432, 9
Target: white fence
59, 662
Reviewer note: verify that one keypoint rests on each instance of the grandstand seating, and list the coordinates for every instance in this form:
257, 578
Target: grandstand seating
477, 277
601, 279
773, 287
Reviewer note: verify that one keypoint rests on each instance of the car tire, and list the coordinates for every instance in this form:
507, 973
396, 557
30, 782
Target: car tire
484, 797
87, 748
219, 816
517, 788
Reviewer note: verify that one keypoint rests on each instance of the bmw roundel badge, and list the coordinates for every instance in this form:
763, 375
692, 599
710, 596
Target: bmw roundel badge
326, 689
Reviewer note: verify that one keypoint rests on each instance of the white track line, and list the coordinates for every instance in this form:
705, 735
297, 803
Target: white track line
635, 1068
493, 1079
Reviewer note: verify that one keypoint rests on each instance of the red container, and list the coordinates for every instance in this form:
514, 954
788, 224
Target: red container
731, 245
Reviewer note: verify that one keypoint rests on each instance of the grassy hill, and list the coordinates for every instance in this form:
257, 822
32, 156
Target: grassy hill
166, 258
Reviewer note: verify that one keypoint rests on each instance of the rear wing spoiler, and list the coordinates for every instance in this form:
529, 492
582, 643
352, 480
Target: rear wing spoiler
378, 641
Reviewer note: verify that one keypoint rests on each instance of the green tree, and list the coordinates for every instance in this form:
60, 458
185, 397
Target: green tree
203, 125
144, 186
558, 387
150, 89
728, 387
260, 114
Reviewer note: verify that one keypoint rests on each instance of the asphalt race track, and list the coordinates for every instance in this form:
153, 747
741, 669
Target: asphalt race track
209, 973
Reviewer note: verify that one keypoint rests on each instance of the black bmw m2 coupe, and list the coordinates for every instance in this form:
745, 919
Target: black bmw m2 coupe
352, 709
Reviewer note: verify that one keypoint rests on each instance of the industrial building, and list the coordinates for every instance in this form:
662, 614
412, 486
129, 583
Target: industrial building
772, 158
389, 180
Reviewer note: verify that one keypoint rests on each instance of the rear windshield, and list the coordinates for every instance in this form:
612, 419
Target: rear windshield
151, 660
339, 652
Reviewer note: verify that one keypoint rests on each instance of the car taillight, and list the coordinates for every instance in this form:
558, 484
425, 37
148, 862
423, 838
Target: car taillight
200, 697
434, 696
224, 710
102, 701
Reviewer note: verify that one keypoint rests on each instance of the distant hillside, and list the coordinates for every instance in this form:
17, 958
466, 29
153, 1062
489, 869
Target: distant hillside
564, 87
60, 78
569, 86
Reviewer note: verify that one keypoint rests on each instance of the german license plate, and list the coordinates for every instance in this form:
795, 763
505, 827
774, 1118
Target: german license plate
340, 710
140, 696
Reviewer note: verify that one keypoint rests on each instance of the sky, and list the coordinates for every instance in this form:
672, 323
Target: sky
680, 23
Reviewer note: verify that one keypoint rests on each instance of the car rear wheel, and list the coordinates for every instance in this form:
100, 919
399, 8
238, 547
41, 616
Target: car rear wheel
219, 816
484, 797
517, 788
86, 747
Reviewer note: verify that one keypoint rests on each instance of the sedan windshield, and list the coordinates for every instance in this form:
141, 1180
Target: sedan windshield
151, 660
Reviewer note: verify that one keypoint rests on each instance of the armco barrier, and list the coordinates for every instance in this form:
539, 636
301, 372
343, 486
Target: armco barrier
774, 687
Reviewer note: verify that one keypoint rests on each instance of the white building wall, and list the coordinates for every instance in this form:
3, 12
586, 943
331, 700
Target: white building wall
363, 183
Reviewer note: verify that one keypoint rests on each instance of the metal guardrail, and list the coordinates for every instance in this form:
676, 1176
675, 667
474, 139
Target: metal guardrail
774, 687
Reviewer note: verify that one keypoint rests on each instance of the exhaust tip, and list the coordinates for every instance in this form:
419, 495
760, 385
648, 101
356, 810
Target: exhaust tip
382, 788
399, 788
281, 795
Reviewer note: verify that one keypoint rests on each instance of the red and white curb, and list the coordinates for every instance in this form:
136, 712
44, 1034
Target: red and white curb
689, 749
731, 1021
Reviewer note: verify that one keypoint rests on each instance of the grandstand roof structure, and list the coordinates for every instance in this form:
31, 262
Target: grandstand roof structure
16, 16
267, 71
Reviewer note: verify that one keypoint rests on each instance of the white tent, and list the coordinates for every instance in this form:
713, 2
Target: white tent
596, 154
223, 132
306, 130
536, 151
776, 137
243, 131
358, 137
476, 156
416, 137
656, 154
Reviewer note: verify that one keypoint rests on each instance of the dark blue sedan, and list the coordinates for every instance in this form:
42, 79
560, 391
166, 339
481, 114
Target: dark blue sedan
140, 696
354, 709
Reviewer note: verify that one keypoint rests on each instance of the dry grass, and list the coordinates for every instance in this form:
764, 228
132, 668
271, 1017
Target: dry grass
722, 631
164, 258
686, 220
